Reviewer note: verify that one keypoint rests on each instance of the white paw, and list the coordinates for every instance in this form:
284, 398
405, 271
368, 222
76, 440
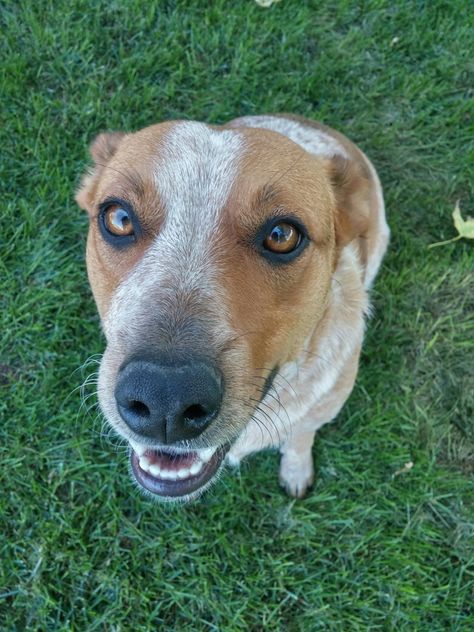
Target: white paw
296, 474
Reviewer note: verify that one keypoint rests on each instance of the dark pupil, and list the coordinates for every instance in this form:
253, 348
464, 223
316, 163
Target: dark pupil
120, 219
281, 234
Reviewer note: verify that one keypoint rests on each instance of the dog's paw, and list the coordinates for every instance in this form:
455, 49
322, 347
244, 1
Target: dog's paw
296, 474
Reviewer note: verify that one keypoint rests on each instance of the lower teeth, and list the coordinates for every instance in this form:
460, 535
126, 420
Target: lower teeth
152, 468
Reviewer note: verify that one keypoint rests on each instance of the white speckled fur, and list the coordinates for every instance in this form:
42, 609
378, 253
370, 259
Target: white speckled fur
194, 185
315, 141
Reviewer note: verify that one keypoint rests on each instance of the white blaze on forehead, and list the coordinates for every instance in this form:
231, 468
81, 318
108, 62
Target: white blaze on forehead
196, 167
195, 171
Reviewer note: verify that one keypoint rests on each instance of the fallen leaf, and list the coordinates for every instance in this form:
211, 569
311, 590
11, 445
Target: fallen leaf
406, 468
465, 228
266, 3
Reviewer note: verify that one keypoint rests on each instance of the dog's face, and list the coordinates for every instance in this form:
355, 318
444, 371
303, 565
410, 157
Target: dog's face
210, 254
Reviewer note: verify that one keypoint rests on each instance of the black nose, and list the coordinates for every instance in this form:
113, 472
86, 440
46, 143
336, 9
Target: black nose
168, 401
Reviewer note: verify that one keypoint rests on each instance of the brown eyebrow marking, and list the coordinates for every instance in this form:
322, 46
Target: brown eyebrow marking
134, 179
266, 195
269, 192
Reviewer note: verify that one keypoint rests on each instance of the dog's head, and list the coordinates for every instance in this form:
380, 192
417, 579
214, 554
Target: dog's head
210, 254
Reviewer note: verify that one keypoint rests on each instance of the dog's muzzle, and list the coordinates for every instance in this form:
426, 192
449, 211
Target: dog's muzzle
170, 401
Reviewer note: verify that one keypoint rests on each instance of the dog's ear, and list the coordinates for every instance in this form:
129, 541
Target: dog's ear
351, 186
102, 148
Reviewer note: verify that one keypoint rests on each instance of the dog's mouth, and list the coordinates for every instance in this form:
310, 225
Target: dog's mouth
175, 475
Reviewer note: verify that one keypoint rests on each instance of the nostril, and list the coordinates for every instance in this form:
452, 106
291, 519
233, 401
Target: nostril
139, 408
195, 413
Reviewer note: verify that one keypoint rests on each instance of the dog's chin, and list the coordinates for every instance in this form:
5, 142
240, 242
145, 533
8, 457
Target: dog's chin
176, 476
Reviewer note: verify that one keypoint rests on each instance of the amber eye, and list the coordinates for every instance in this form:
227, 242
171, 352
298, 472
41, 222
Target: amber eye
282, 239
117, 221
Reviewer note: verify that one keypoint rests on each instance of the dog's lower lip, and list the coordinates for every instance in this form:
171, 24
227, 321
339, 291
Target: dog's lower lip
176, 487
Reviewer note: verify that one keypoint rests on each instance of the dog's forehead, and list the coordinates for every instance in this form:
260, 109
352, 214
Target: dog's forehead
192, 164
195, 168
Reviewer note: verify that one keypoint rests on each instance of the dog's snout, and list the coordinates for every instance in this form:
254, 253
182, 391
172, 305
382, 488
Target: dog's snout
168, 401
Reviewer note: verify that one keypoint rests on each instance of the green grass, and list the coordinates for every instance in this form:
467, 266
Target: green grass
80, 548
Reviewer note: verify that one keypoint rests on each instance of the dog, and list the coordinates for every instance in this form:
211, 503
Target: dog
231, 267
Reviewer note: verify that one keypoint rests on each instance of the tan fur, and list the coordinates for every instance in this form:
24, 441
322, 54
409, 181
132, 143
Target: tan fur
287, 309
359, 215
307, 317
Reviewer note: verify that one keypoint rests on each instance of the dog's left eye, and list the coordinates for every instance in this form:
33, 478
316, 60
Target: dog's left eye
117, 221
282, 239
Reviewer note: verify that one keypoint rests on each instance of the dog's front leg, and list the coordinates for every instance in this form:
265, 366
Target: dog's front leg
296, 465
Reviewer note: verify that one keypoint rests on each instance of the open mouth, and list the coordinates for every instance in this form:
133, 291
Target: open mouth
174, 475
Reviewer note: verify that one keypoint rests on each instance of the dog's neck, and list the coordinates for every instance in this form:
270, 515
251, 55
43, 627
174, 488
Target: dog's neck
338, 335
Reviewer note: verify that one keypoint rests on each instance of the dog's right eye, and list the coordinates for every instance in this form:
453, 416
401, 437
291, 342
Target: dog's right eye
117, 221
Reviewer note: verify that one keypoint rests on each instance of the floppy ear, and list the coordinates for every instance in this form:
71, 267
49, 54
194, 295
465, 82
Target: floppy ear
351, 184
102, 148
